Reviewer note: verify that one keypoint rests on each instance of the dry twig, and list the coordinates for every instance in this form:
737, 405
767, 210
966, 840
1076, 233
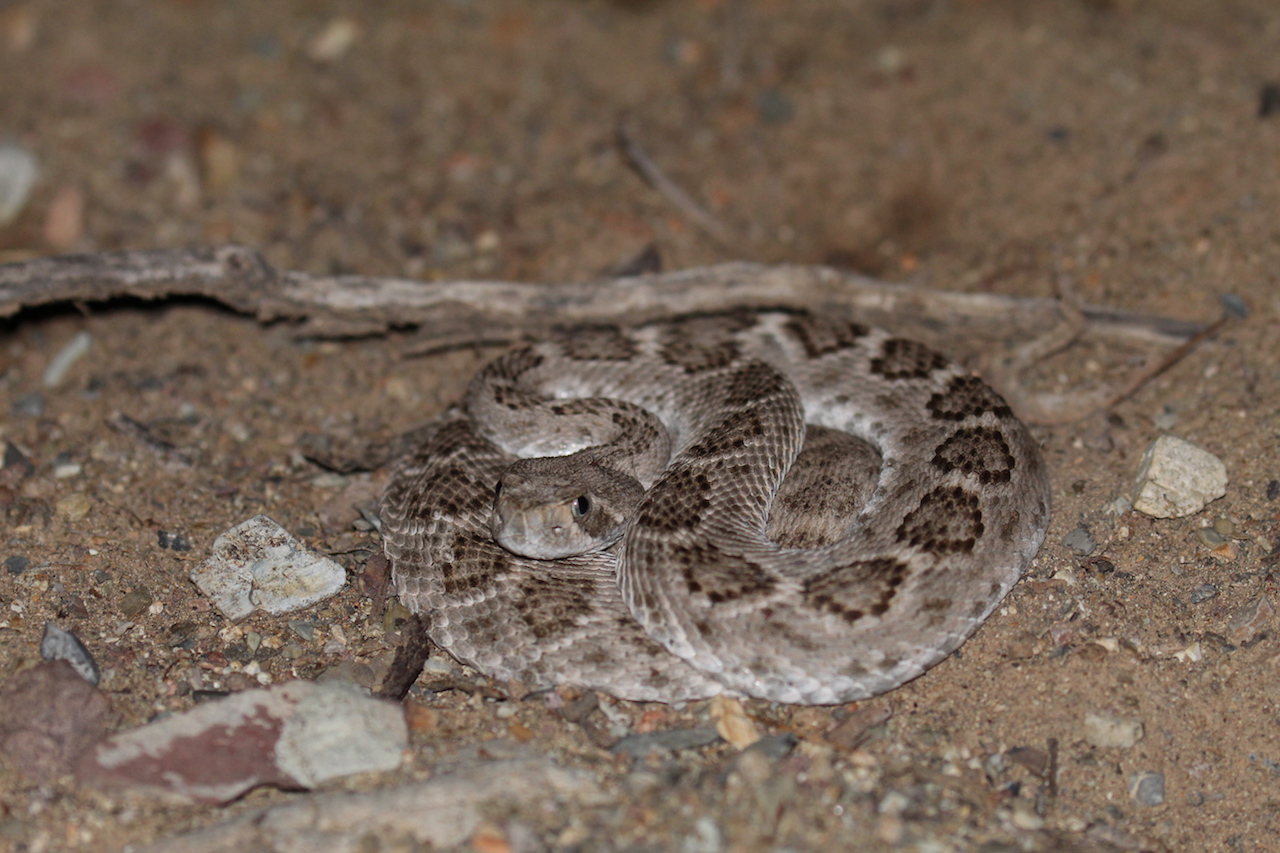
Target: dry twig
449, 314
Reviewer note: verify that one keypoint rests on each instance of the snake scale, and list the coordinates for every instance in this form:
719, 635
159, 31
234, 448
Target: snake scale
715, 561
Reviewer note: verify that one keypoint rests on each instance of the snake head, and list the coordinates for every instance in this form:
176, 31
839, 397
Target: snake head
561, 506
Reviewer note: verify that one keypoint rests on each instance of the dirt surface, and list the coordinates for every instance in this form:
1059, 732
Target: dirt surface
1122, 149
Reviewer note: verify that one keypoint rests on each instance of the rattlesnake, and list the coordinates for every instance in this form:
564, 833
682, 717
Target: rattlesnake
696, 599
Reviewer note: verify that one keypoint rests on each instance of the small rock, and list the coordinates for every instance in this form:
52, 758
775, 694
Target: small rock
74, 507
1176, 478
17, 564
135, 602
1203, 593
1107, 730
1080, 541
58, 644
1146, 787
732, 722
1227, 552
258, 565
304, 629
49, 716
19, 169
334, 40
1209, 537
172, 541
66, 469
296, 734
1251, 620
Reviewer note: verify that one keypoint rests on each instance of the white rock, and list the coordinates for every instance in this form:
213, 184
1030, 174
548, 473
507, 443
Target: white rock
258, 565
1177, 478
336, 731
1104, 729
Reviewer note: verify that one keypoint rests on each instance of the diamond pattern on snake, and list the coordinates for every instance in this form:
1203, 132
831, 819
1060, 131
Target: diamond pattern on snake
760, 503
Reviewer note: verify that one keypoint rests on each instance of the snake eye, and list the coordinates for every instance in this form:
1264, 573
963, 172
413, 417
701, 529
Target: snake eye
581, 506
497, 490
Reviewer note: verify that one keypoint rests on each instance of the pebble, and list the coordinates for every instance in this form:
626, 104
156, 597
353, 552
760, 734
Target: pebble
173, 541
67, 469
19, 169
296, 734
1203, 593
1176, 478
732, 722
1250, 620
1104, 729
17, 564
74, 507
57, 644
135, 602
1146, 787
49, 717
258, 565
1209, 537
1080, 541
303, 628
333, 42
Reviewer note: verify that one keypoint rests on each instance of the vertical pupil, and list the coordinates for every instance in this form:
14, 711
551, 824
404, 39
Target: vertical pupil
581, 505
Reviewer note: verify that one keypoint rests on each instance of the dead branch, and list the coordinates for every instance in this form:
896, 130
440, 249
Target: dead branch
467, 313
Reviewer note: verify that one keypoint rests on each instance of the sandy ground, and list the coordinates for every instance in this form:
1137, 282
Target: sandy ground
1118, 148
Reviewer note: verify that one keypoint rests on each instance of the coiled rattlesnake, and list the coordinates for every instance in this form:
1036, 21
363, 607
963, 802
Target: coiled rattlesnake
696, 598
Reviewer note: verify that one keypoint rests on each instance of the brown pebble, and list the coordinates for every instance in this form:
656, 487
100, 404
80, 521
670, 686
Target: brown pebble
135, 603
1035, 760
1251, 620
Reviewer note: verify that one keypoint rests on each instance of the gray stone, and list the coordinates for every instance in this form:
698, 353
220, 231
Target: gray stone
1079, 541
1146, 787
57, 644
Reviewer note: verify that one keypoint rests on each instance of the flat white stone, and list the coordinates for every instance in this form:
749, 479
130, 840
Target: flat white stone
1177, 478
259, 565
336, 731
